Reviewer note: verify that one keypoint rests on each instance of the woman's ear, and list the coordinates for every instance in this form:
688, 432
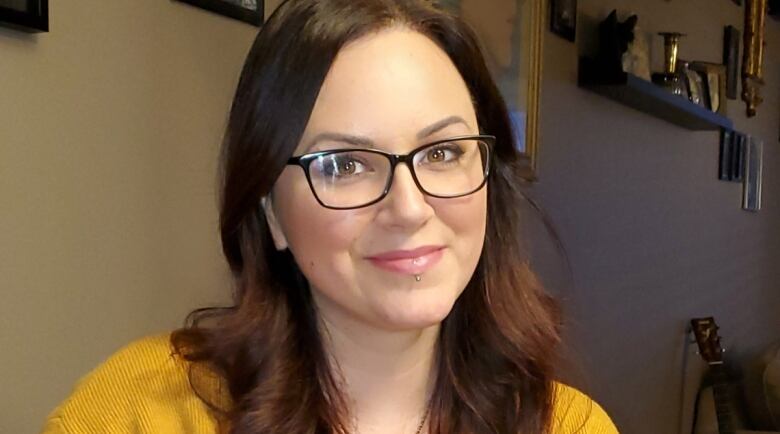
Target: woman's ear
280, 241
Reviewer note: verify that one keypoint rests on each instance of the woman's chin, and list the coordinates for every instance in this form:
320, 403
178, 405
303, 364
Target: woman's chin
415, 313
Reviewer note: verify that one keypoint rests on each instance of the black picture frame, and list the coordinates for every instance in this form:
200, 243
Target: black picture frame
724, 158
563, 18
230, 8
731, 38
31, 16
731, 165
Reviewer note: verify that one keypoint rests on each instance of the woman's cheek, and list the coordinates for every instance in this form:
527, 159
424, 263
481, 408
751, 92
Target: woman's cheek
466, 219
465, 215
324, 238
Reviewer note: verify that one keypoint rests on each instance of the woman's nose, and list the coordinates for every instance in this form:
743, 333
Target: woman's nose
405, 205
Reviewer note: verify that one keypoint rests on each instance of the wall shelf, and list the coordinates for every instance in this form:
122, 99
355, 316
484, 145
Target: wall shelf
649, 98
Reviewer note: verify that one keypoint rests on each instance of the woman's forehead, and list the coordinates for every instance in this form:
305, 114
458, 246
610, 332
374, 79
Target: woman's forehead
390, 86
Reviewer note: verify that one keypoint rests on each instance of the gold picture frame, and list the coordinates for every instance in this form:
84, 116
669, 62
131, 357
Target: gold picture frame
511, 35
753, 54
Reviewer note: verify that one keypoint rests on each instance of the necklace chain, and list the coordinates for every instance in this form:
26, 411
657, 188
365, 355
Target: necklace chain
424, 418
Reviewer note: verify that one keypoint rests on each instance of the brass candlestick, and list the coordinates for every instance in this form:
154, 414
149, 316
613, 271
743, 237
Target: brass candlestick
671, 47
671, 78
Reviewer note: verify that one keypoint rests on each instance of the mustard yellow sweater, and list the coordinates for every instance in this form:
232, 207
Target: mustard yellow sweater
144, 389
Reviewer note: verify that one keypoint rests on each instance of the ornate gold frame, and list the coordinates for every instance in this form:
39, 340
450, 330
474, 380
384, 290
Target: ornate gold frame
753, 58
534, 87
529, 75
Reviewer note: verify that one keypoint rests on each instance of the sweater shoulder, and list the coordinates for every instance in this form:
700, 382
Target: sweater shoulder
575, 412
140, 367
142, 387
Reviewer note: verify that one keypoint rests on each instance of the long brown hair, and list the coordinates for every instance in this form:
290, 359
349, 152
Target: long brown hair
497, 348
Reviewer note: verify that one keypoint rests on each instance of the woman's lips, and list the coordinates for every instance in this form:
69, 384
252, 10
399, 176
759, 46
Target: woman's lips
412, 262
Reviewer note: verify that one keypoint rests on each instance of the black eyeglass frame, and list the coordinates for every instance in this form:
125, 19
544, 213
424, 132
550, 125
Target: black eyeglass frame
304, 161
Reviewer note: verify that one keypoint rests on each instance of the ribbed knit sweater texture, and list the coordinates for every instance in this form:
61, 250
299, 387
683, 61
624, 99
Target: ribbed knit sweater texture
143, 388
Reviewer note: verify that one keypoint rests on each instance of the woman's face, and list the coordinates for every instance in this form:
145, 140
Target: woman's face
387, 87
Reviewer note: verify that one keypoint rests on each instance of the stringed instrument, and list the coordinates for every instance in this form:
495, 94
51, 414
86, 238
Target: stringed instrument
727, 419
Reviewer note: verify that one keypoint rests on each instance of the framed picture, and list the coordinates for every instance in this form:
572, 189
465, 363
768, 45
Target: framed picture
714, 77
726, 141
731, 161
731, 37
510, 34
30, 16
563, 18
248, 11
751, 196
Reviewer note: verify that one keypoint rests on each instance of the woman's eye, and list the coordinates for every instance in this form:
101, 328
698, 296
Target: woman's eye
437, 155
348, 167
443, 154
341, 166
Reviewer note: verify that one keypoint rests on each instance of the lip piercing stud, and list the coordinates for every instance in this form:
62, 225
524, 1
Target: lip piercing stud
417, 277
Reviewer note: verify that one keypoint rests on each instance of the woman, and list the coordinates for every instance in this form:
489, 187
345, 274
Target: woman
367, 215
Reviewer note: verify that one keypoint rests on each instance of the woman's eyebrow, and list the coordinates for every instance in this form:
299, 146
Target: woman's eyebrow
359, 141
440, 125
365, 142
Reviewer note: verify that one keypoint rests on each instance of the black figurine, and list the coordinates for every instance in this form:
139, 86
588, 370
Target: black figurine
614, 39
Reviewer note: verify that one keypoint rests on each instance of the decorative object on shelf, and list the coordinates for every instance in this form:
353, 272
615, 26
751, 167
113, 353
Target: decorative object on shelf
248, 11
563, 18
674, 83
671, 50
714, 86
693, 82
30, 16
636, 60
604, 75
731, 166
731, 59
753, 54
614, 40
751, 196
513, 53
670, 79
714, 75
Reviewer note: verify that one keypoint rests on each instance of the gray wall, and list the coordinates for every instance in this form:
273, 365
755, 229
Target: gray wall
654, 238
109, 130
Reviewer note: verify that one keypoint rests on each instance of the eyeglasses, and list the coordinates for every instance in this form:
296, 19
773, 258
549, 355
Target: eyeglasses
355, 178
